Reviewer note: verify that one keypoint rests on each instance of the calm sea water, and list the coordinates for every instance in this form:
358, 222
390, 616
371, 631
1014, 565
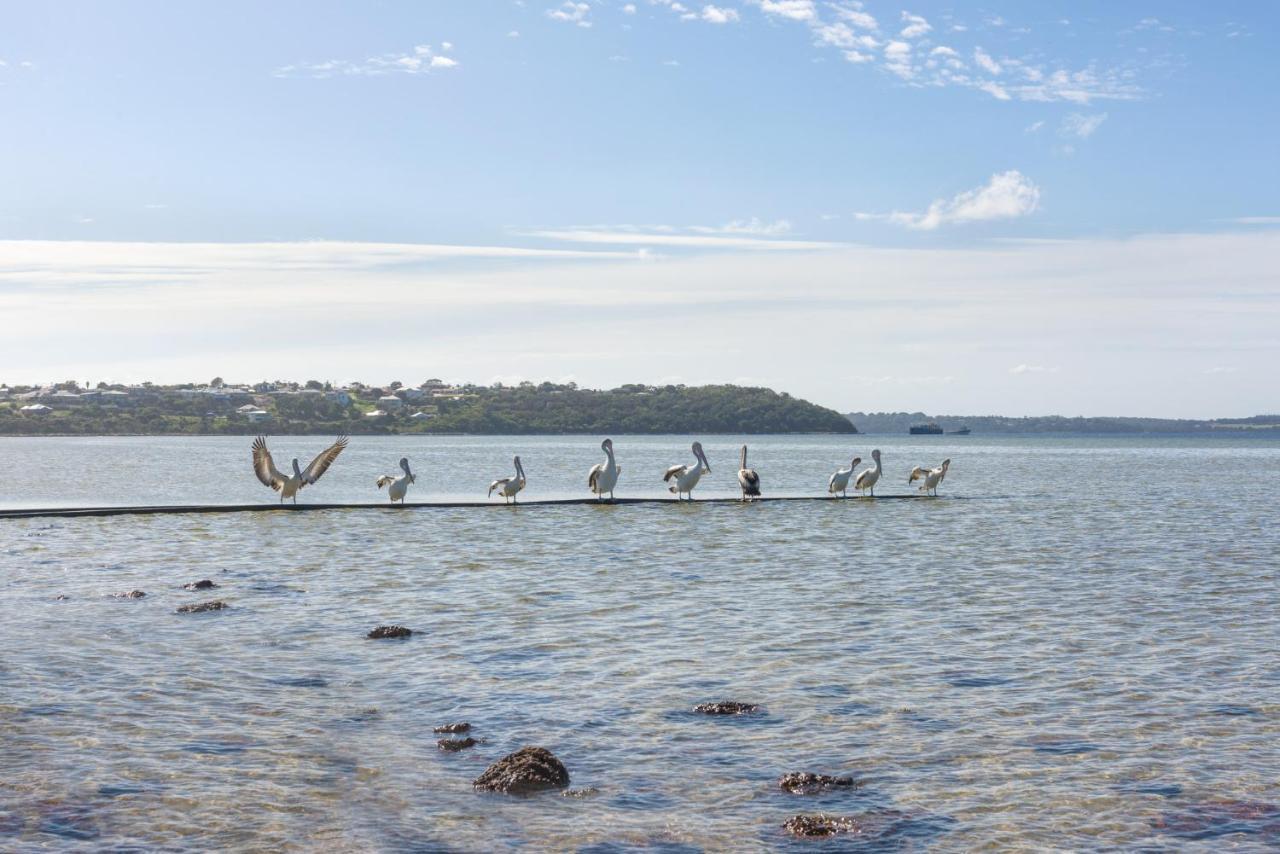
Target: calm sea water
1074, 648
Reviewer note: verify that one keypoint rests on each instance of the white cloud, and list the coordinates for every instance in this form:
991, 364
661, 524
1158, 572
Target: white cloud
514, 34
1081, 126
795, 10
995, 90
897, 58
747, 226
629, 9
916, 26
1032, 369
571, 13
1257, 220
1008, 195
851, 12
719, 15
421, 60
985, 61
1034, 127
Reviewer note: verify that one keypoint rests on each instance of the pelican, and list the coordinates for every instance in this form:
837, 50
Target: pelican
398, 485
932, 477
509, 487
683, 478
748, 479
288, 485
840, 480
867, 479
604, 476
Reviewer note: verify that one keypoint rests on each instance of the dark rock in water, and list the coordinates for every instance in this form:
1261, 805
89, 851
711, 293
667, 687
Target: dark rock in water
585, 792
132, 594
455, 744
529, 769
820, 825
726, 707
202, 607
389, 632
808, 783
202, 584
453, 728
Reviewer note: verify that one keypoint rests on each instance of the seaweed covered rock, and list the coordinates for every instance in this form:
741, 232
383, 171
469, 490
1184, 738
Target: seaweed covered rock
808, 783
528, 770
202, 607
820, 825
132, 594
202, 584
726, 707
453, 745
384, 632
462, 726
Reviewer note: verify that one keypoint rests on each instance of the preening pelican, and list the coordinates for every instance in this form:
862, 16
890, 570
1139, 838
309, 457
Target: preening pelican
867, 479
603, 477
288, 485
509, 487
683, 478
932, 477
840, 480
399, 485
748, 479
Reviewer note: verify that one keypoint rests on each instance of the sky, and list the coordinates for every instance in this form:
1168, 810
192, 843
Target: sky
1049, 208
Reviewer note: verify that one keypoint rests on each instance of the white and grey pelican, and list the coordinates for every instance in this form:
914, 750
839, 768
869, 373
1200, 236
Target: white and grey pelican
509, 487
288, 485
748, 479
840, 480
683, 478
398, 485
867, 478
932, 477
603, 477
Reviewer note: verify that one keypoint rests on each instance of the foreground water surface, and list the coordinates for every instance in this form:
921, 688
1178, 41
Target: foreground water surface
1074, 647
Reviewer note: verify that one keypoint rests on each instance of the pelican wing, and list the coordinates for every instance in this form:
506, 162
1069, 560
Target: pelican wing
264, 467
862, 478
917, 473
831, 482
498, 483
674, 471
385, 480
594, 475
749, 480
322, 462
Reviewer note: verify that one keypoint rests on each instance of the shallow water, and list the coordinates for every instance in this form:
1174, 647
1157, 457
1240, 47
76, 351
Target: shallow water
1073, 648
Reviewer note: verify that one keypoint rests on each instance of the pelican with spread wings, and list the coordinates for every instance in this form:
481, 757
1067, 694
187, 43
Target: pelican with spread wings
288, 485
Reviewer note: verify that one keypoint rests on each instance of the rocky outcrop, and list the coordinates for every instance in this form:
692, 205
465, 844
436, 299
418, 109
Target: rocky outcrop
132, 594
202, 607
528, 770
808, 783
819, 825
462, 726
384, 632
453, 745
726, 707
202, 584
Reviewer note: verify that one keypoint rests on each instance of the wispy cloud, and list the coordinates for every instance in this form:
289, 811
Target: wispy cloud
794, 10
1008, 195
719, 15
1257, 220
1032, 369
423, 59
915, 26
572, 13
1082, 126
740, 234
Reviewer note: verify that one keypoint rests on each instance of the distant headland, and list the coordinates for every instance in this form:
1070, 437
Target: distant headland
434, 406
902, 422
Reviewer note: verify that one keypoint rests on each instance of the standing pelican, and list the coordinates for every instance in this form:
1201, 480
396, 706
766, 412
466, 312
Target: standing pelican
932, 477
686, 477
867, 479
840, 480
509, 487
288, 485
748, 479
399, 485
603, 477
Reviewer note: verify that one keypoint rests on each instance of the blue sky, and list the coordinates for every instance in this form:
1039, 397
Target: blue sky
997, 207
